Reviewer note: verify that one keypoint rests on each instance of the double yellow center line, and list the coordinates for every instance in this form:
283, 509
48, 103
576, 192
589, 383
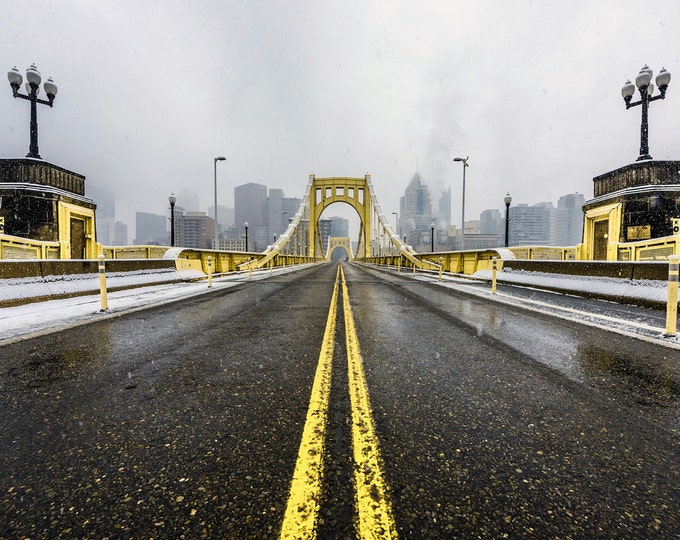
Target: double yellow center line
373, 509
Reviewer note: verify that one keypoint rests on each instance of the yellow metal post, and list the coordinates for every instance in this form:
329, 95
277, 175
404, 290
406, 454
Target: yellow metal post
441, 267
494, 270
102, 284
209, 271
672, 305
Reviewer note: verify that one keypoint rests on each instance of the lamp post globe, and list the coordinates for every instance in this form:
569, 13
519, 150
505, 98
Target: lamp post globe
643, 84
33, 79
245, 225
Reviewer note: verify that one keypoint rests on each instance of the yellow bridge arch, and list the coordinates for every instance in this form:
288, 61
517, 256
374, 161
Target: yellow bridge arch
353, 191
339, 242
301, 241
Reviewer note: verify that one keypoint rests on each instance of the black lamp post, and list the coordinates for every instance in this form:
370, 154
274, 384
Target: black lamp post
642, 81
172, 200
215, 160
432, 237
464, 161
32, 89
246, 226
507, 200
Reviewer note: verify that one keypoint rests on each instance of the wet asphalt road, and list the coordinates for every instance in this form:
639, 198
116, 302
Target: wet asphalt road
184, 421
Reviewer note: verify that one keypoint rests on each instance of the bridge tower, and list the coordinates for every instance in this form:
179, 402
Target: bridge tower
353, 191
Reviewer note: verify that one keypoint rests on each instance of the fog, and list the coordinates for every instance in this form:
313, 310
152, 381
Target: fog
151, 91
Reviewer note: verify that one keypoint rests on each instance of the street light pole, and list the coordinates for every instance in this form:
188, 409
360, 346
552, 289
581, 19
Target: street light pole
33, 88
172, 200
246, 226
462, 231
642, 81
432, 237
507, 200
215, 160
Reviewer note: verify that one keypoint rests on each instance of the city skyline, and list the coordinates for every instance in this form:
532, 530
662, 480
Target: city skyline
341, 210
150, 93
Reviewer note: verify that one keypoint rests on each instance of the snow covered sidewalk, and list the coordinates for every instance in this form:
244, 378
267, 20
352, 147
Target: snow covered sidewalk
33, 319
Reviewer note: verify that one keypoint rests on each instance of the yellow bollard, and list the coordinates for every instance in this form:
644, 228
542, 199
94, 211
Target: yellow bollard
209, 271
102, 283
494, 270
672, 304
441, 267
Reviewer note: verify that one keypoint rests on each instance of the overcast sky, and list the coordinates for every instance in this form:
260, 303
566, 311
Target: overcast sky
150, 91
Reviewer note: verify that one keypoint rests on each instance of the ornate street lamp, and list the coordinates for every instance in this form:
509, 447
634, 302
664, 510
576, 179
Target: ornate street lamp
642, 81
246, 227
172, 199
215, 160
464, 161
507, 200
32, 89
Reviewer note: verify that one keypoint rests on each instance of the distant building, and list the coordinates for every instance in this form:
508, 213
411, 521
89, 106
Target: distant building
415, 211
569, 220
120, 237
225, 217
250, 205
444, 213
275, 215
151, 229
529, 225
492, 223
105, 231
339, 227
195, 230
324, 229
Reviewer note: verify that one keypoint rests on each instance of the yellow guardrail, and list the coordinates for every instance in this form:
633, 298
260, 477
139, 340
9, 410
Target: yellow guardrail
15, 247
467, 262
658, 249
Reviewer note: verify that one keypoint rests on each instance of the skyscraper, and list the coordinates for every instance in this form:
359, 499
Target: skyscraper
569, 220
250, 205
415, 209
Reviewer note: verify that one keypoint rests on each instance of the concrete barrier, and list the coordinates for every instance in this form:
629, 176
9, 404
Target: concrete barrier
657, 270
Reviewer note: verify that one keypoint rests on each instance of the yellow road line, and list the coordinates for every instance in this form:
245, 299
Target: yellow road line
302, 510
373, 505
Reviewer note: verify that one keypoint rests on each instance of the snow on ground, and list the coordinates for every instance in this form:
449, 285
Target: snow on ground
48, 316
28, 320
69, 284
652, 290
